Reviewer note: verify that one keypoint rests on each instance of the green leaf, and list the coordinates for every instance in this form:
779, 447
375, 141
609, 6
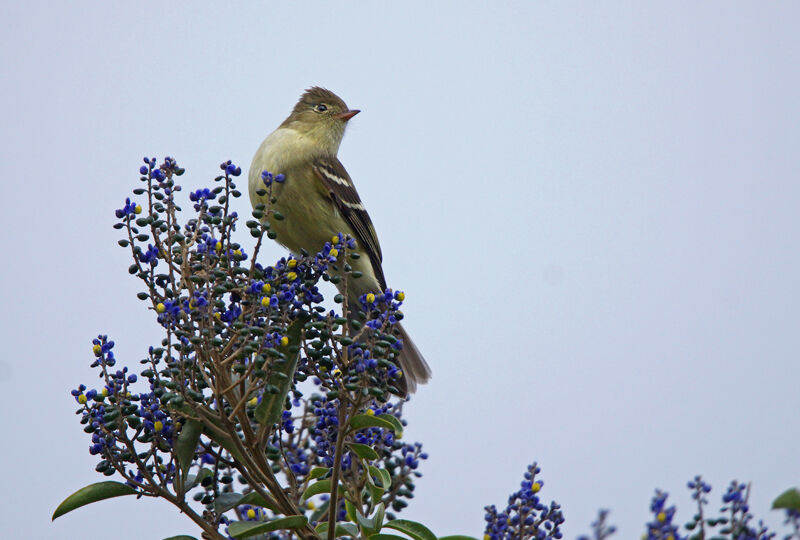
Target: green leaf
789, 499
374, 491
367, 524
398, 426
245, 529
363, 451
215, 435
363, 421
323, 486
378, 516
253, 498
193, 479
319, 511
186, 444
342, 529
382, 475
415, 530
350, 510
269, 411
457, 537
318, 472
93, 493
181, 537
226, 501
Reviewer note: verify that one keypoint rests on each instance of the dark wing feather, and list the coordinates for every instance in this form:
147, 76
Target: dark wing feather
338, 183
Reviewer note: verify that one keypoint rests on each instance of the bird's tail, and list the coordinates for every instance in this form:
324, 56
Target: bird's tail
414, 367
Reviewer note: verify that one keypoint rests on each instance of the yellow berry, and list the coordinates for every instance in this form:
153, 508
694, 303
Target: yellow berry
81, 399
266, 288
284, 341
400, 296
158, 425
160, 308
662, 517
370, 298
310, 505
97, 350
253, 402
536, 487
335, 240
334, 252
251, 514
265, 301
104, 392
336, 372
138, 209
218, 246
292, 263
217, 315
291, 276
237, 253
370, 412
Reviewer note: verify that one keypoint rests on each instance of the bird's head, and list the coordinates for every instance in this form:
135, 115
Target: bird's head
321, 116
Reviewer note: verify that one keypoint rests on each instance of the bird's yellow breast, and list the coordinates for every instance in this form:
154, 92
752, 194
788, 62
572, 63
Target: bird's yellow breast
310, 217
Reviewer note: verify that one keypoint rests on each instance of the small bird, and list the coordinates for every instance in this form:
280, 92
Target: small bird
318, 200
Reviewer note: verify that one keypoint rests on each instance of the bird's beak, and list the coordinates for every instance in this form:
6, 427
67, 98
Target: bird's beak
347, 115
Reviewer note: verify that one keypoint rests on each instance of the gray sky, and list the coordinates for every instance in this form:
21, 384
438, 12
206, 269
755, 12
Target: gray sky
593, 211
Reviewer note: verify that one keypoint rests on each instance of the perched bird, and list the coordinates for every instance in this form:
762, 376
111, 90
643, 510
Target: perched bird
318, 200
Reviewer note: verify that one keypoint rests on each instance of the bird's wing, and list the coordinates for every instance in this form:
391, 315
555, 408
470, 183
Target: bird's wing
337, 182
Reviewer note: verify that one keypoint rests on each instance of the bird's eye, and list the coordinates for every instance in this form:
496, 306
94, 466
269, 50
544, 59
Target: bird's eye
321, 107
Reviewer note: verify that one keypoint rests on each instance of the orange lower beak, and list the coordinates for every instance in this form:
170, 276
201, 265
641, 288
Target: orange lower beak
347, 115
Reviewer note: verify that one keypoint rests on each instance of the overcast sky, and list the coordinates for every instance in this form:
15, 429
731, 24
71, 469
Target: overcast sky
593, 212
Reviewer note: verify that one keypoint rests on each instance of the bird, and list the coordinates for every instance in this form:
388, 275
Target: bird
318, 200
